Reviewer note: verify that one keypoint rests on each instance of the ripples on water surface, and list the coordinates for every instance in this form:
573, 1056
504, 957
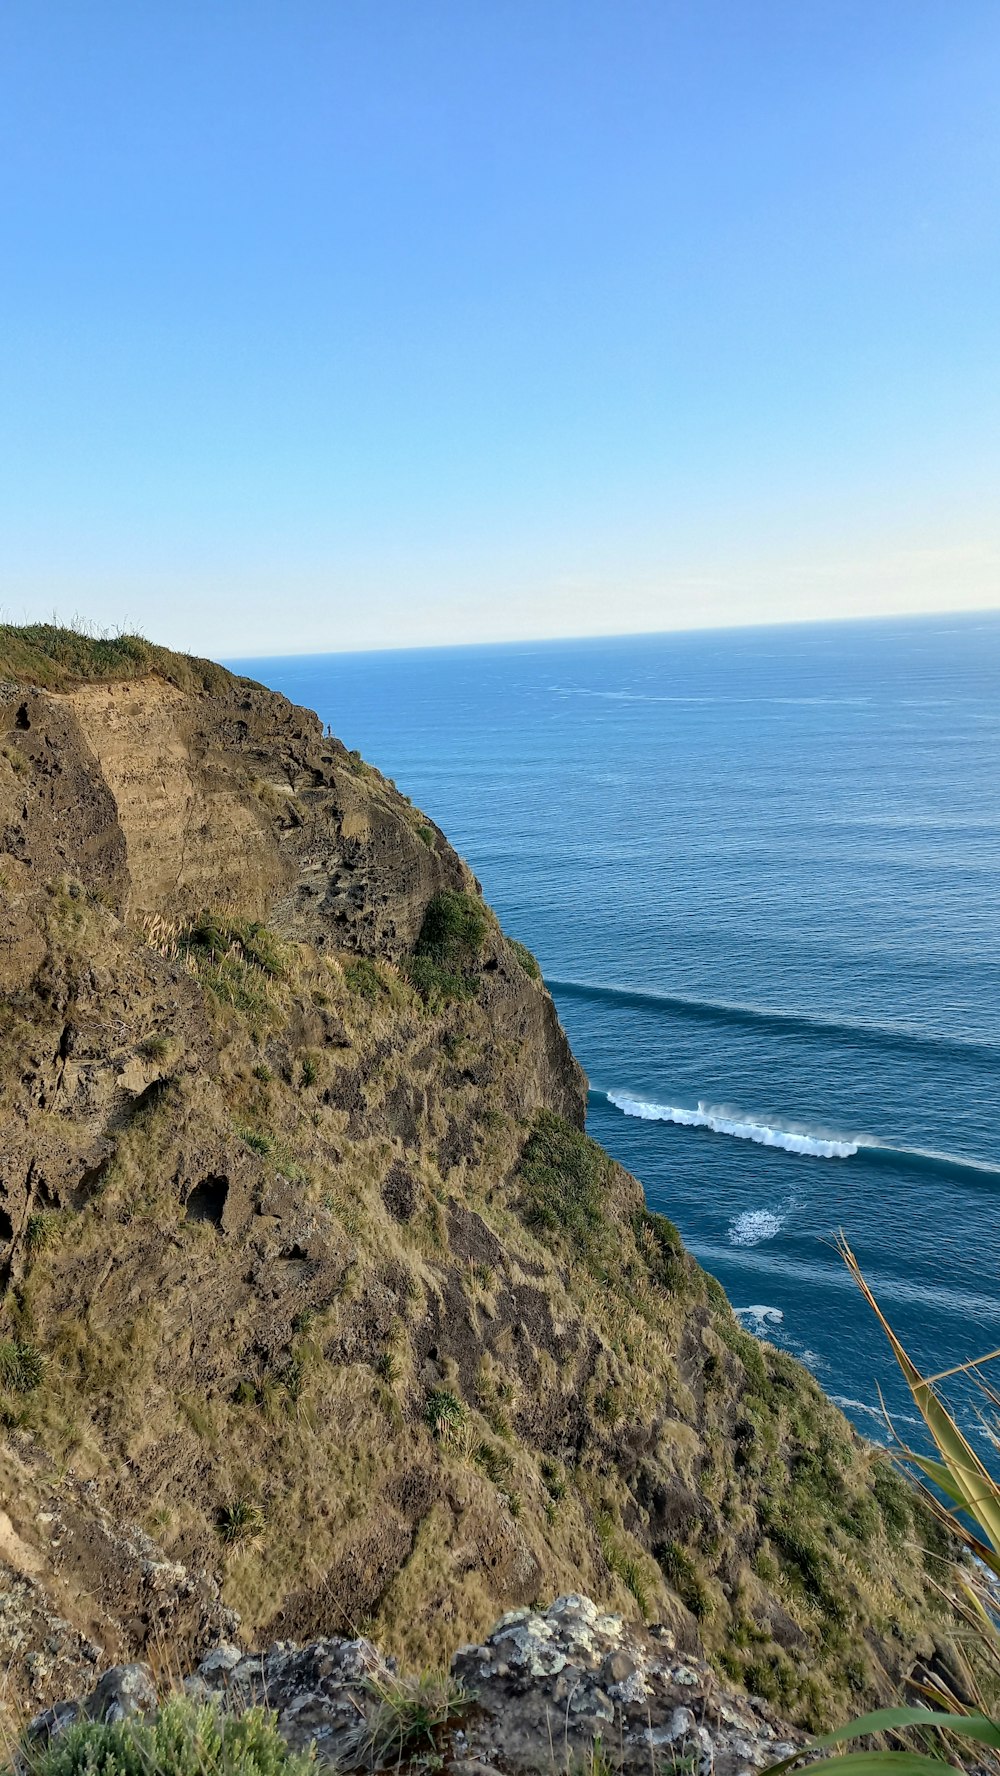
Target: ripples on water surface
761, 871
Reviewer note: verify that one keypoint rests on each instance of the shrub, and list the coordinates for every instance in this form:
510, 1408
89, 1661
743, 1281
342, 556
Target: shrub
310, 1070
966, 1506
155, 1047
564, 1179
182, 1738
439, 986
445, 954
426, 834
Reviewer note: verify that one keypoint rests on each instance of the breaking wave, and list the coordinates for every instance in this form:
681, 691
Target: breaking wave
723, 1120
742, 1127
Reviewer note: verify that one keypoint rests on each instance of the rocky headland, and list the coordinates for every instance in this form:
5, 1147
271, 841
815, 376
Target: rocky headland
323, 1322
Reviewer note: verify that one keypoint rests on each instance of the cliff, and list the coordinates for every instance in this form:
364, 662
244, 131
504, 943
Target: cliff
321, 1313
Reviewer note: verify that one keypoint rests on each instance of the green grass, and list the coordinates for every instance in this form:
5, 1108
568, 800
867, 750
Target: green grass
682, 1575
444, 1413
525, 958
181, 1738
363, 978
241, 1521
442, 967
410, 1716
623, 1564
57, 658
453, 930
21, 1366
564, 1178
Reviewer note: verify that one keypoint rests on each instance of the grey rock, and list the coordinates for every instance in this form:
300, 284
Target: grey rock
124, 1691
545, 1685
219, 1663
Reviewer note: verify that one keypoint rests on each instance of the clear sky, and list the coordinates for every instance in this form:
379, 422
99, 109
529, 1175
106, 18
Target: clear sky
354, 323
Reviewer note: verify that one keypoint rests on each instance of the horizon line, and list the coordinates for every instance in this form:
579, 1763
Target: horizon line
966, 611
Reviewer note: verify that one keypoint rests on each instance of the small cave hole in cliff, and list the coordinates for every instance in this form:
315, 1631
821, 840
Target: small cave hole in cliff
6, 1228
21, 719
207, 1201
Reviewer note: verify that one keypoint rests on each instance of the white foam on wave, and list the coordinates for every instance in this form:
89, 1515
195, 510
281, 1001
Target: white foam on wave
761, 1316
755, 1226
744, 1128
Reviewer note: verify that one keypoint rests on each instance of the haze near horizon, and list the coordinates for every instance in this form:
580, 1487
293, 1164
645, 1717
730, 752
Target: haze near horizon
384, 327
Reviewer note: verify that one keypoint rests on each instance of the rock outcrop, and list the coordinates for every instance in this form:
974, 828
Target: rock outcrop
544, 1689
310, 1273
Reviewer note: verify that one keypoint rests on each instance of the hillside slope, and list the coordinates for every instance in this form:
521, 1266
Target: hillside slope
311, 1275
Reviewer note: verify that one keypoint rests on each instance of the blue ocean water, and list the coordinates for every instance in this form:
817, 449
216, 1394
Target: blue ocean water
761, 871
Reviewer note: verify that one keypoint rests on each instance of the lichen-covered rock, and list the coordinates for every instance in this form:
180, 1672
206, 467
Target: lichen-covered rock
562, 1678
321, 1693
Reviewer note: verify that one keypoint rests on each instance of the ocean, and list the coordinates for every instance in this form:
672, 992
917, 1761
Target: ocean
761, 872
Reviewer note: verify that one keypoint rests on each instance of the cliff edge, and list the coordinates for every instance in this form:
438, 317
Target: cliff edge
321, 1313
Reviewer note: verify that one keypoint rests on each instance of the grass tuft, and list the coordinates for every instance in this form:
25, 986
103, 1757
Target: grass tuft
241, 1522
22, 1366
445, 1414
410, 1717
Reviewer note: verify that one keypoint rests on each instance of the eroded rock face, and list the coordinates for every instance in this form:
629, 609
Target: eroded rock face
544, 1688
277, 1284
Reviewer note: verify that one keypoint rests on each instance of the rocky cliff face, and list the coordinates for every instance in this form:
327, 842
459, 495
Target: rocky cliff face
320, 1312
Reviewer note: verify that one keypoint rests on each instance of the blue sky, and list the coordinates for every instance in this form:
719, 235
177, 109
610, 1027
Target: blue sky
379, 322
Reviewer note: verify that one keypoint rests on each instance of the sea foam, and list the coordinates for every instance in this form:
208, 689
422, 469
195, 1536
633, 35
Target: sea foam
755, 1226
744, 1128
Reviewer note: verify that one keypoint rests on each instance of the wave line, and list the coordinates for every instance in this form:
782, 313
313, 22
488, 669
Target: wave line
794, 1022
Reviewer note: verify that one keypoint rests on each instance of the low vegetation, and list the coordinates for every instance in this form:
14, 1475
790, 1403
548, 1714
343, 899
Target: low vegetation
525, 959
443, 964
56, 658
180, 1738
564, 1180
411, 1716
